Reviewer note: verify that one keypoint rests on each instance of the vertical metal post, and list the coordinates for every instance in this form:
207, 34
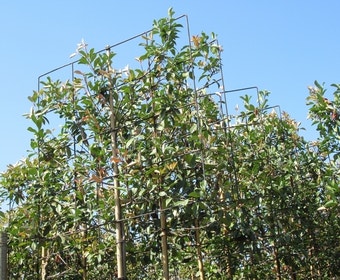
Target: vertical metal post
3, 256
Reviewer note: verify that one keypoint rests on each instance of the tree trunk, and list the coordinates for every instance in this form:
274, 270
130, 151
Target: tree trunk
164, 242
314, 273
277, 263
3, 255
120, 246
83, 257
44, 262
199, 250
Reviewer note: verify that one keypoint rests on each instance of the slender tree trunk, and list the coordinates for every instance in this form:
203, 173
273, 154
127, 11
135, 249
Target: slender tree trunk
224, 229
314, 274
120, 246
44, 262
3, 255
121, 259
277, 264
82, 227
164, 240
83, 257
199, 250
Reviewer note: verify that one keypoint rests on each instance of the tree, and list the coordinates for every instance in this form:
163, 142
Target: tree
325, 115
147, 176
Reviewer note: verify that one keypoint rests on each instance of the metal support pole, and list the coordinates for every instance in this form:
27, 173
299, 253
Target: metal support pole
3, 256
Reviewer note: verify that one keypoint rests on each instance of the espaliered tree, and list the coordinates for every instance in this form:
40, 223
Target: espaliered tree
146, 176
124, 136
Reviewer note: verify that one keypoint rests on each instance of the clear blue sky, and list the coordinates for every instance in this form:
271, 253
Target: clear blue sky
281, 46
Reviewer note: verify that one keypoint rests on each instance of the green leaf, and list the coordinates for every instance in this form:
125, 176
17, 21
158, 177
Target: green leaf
31, 129
182, 202
193, 128
194, 194
162, 193
331, 203
129, 142
168, 201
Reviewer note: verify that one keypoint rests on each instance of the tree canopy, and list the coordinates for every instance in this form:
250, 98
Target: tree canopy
142, 172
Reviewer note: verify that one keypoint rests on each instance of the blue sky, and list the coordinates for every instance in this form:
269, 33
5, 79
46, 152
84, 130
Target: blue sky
280, 46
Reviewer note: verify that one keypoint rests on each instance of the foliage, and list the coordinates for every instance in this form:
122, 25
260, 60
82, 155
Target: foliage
325, 115
232, 198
